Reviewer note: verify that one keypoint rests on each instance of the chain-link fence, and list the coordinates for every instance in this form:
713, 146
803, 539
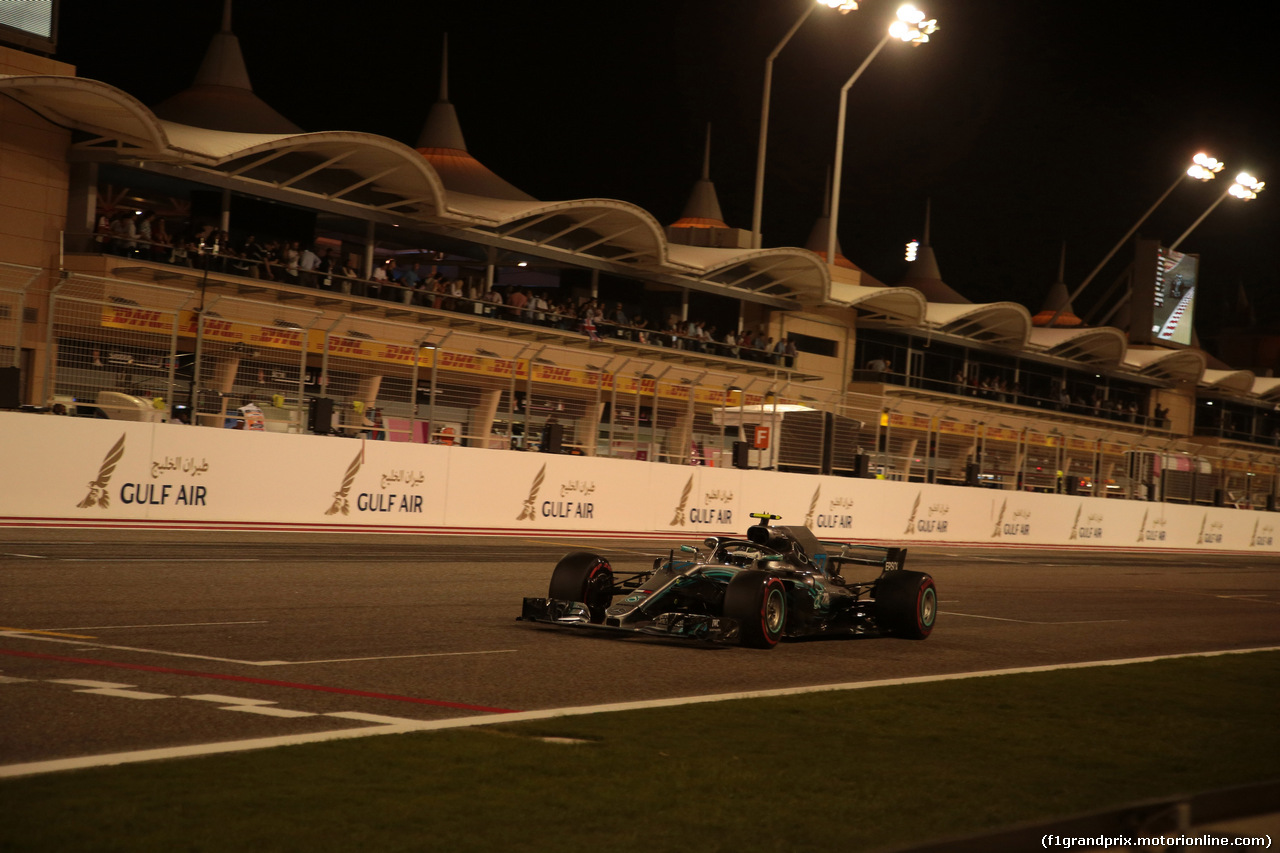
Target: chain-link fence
114, 346
247, 355
14, 281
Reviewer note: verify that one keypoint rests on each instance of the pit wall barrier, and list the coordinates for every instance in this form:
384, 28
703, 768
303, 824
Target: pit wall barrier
79, 472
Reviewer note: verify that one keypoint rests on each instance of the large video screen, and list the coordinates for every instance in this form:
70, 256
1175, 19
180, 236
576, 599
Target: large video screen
1163, 296
30, 24
1174, 300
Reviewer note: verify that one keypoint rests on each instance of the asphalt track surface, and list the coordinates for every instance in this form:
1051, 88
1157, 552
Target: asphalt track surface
114, 641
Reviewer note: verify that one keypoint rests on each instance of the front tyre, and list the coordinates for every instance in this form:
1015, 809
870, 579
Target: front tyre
906, 604
586, 577
758, 601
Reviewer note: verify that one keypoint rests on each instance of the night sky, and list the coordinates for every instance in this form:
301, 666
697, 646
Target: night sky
1028, 124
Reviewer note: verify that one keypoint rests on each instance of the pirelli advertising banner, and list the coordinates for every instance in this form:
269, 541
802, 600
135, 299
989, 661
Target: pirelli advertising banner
63, 471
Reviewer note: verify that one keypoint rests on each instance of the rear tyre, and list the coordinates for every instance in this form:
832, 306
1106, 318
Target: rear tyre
586, 577
906, 604
758, 601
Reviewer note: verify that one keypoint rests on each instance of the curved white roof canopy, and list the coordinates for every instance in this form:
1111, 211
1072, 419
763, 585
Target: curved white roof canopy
1267, 387
902, 305
1238, 381
1184, 365
89, 106
607, 229
1006, 324
345, 166
788, 273
1102, 346
380, 174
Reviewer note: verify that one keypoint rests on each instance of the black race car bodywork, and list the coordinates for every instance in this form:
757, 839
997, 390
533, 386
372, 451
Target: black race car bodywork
777, 582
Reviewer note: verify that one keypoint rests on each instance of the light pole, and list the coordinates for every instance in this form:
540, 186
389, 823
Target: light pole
912, 28
1203, 168
1246, 188
845, 7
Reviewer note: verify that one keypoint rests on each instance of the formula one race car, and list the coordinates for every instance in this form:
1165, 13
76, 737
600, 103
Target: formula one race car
778, 582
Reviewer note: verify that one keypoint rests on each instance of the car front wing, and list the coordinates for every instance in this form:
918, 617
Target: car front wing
686, 626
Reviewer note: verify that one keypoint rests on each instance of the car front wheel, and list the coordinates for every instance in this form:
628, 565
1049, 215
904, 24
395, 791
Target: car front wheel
758, 601
585, 577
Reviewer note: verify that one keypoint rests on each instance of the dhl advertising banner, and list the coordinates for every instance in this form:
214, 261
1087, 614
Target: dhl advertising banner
316, 342
63, 471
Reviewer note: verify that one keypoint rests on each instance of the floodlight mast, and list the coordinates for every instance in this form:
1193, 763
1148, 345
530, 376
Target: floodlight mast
911, 28
757, 214
1203, 168
1245, 188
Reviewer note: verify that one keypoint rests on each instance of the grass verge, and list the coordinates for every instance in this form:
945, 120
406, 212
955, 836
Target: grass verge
859, 770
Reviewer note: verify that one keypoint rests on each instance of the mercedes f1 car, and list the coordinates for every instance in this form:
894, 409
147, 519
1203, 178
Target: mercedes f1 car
777, 582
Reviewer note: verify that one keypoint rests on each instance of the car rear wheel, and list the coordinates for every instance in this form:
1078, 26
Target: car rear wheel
586, 577
758, 601
906, 604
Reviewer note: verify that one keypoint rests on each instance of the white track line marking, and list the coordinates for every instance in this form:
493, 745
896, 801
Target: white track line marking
108, 688
373, 718
169, 625
1030, 621
391, 657
159, 559
126, 694
1250, 597
266, 711
29, 556
227, 700
4, 679
37, 767
93, 646
86, 647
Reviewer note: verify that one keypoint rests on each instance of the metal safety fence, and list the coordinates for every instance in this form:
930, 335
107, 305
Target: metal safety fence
145, 351
14, 282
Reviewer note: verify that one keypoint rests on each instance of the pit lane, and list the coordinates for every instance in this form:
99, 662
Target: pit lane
113, 640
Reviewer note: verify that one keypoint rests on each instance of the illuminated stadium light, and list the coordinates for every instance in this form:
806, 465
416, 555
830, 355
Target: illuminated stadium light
1246, 187
1204, 167
844, 7
912, 248
911, 26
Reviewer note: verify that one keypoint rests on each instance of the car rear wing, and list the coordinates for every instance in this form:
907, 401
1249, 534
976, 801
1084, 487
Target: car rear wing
887, 558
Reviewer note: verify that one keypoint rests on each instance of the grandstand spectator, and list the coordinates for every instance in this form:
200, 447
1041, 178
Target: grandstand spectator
518, 302
102, 232
290, 258
307, 263
492, 299
377, 281
183, 251
538, 308
249, 260
411, 277
270, 260
161, 242
124, 233
144, 232
328, 268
